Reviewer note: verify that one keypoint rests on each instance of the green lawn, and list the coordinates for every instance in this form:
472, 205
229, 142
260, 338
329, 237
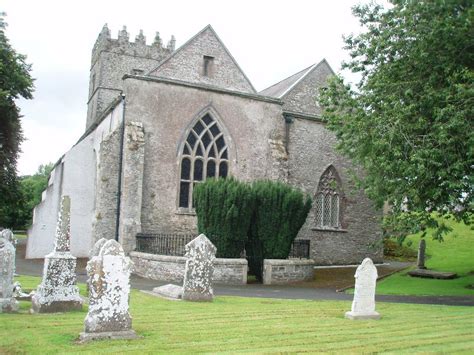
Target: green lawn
231, 324
455, 254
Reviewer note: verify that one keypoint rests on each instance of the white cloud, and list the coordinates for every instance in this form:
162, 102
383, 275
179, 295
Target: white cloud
269, 39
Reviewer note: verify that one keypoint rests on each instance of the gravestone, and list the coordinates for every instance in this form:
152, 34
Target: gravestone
8, 235
363, 305
421, 254
58, 291
109, 290
7, 269
197, 285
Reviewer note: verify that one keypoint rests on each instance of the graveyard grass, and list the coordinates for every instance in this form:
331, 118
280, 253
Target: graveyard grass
455, 254
231, 324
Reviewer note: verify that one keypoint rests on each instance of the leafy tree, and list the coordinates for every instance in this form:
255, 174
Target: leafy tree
409, 120
15, 82
31, 189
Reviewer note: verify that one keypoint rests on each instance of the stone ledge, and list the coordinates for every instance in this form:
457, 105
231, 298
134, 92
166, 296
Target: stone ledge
289, 262
126, 334
165, 258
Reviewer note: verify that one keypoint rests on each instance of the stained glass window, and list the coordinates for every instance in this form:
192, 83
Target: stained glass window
327, 202
204, 155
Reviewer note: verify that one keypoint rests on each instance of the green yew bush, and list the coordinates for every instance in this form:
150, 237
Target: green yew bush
263, 218
280, 212
224, 208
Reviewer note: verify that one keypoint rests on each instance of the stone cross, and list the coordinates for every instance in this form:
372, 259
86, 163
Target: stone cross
58, 291
197, 285
363, 305
421, 254
109, 291
7, 269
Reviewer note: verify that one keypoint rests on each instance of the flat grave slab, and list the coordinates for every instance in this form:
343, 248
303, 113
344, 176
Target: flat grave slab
432, 274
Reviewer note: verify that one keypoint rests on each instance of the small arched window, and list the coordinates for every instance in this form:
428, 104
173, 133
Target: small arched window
205, 154
328, 200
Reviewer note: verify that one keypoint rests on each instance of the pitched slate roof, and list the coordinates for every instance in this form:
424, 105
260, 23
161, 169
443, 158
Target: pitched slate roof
281, 88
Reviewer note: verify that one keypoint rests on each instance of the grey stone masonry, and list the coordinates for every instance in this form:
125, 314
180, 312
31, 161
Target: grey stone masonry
197, 284
113, 58
281, 271
8, 235
7, 269
171, 268
132, 185
363, 305
58, 291
109, 292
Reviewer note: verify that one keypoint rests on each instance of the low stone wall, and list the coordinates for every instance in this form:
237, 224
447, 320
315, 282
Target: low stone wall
171, 268
284, 271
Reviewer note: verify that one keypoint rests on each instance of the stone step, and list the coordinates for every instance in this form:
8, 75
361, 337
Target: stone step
432, 274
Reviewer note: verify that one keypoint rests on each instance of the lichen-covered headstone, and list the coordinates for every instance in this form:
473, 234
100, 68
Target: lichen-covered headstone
8, 235
109, 290
7, 269
363, 305
421, 254
58, 291
197, 285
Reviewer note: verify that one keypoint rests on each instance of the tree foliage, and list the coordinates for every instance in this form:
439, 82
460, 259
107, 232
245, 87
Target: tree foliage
409, 121
262, 218
224, 208
15, 82
280, 212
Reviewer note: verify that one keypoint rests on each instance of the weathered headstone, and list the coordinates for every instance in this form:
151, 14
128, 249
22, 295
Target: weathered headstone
421, 254
7, 269
8, 235
197, 285
58, 291
363, 305
109, 290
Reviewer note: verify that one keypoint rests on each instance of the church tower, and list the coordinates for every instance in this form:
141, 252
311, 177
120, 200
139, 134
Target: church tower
112, 59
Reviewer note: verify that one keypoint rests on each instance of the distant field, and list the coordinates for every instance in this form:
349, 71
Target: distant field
455, 254
255, 325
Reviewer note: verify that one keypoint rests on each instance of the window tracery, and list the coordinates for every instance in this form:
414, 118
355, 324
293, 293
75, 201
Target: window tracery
328, 200
204, 155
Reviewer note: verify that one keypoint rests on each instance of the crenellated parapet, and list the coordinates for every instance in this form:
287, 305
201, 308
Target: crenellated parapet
138, 48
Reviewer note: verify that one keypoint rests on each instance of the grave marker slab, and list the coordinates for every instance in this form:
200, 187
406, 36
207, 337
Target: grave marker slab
109, 290
58, 291
363, 305
8, 303
197, 285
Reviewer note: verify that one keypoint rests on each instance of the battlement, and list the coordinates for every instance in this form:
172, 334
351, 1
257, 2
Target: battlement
138, 48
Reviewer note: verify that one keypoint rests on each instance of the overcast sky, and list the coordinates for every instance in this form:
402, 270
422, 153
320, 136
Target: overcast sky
269, 39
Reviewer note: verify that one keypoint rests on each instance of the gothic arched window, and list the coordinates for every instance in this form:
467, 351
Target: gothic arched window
204, 155
328, 200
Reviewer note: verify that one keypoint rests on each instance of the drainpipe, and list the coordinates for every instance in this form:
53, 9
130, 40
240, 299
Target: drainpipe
119, 187
288, 121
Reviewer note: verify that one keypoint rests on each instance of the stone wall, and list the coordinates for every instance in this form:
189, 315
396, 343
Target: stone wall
171, 268
281, 271
360, 235
112, 59
187, 64
253, 128
74, 175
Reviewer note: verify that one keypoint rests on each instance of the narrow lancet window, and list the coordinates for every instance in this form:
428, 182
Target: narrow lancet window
328, 200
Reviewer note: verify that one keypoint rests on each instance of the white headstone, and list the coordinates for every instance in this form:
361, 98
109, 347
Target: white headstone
109, 292
58, 291
363, 305
7, 269
200, 254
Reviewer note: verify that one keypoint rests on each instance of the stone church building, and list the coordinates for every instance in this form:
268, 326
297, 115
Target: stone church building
161, 120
